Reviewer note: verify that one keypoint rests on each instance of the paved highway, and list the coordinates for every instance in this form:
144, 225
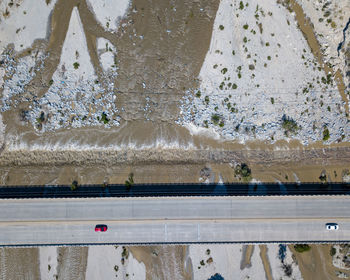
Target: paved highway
187, 219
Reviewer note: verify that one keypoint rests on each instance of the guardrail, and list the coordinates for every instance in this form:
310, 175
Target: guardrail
176, 243
179, 190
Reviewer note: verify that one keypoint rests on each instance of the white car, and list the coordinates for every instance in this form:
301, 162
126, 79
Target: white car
332, 226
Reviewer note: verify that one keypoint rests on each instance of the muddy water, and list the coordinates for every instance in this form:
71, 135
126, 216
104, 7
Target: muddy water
168, 63
19, 263
265, 261
164, 262
316, 263
247, 252
306, 27
72, 262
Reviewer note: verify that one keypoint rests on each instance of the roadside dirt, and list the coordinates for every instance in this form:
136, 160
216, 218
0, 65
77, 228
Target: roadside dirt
164, 166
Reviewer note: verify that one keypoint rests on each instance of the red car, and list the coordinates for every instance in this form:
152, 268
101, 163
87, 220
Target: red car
101, 228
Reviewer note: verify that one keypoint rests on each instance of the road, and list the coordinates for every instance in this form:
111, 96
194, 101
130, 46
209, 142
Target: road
174, 220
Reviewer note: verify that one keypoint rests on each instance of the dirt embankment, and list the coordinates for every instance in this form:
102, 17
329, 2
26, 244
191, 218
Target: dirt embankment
162, 166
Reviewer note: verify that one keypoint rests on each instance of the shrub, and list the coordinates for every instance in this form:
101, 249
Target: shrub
333, 251
224, 70
323, 177
76, 65
221, 27
300, 248
245, 26
125, 253
130, 181
287, 268
104, 118
289, 125
243, 172
74, 185
325, 134
215, 118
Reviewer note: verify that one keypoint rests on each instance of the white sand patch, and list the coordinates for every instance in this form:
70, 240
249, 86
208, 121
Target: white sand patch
75, 97
104, 262
275, 254
258, 69
48, 262
109, 13
226, 261
24, 23
75, 64
107, 54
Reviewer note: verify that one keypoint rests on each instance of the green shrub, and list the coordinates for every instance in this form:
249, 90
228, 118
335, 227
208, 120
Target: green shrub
243, 172
215, 118
76, 65
325, 134
289, 125
130, 182
224, 70
333, 251
221, 27
74, 185
104, 118
300, 248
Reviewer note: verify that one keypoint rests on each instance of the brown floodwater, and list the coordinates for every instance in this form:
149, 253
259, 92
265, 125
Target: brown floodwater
156, 150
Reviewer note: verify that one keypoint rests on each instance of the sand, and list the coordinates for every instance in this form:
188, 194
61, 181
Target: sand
109, 13
48, 262
244, 82
108, 262
225, 260
24, 23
